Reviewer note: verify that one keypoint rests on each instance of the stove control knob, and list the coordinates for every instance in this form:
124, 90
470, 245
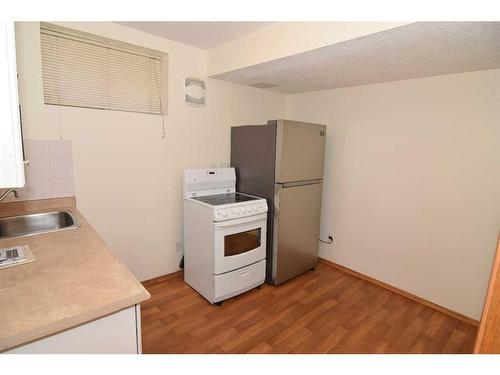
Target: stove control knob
237, 211
224, 213
255, 208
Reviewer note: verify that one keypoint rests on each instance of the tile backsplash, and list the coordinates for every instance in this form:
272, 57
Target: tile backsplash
49, 173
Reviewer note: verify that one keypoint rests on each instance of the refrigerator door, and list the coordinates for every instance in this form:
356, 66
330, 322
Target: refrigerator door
300, 149
296, 229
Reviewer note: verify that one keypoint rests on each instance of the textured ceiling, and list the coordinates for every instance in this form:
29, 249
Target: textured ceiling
198, 34
417, 50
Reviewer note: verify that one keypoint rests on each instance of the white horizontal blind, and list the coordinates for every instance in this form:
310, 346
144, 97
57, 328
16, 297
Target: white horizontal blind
79, 72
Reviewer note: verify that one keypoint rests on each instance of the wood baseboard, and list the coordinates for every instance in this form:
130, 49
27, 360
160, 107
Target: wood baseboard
411, 296
159, 279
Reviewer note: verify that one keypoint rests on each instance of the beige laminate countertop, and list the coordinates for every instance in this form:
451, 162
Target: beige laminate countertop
75, 279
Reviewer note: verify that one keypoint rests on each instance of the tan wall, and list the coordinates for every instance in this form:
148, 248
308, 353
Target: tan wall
128, 180
281, 39
412, 182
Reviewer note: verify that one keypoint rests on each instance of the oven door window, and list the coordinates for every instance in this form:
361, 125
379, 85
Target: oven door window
242, 242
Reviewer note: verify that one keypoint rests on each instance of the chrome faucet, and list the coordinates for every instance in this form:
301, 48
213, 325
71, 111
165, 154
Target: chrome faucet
12, 190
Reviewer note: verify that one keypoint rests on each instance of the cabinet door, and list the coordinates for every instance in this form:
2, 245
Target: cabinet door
11, 149
118, 333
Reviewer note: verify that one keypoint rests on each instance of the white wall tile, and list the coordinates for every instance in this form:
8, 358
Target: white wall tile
23, 194
61, 168
39, 189
60, 149
63, 187
49, 173
36, 149
38, 169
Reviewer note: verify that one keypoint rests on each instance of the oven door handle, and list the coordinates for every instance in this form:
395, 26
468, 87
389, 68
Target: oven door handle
239, 222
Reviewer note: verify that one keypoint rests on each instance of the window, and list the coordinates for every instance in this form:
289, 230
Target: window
83, 70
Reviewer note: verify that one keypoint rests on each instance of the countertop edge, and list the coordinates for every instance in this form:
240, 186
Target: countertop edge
69, 323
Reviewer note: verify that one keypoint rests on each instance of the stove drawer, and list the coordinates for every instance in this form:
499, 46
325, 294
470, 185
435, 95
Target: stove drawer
233, 283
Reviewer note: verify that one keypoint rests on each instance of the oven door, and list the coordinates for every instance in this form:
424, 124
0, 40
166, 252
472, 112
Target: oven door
239, 242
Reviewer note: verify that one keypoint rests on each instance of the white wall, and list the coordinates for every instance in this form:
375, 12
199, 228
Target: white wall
412, 182
128, 180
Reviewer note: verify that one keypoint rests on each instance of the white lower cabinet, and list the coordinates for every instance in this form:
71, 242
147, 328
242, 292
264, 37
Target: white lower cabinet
118, 333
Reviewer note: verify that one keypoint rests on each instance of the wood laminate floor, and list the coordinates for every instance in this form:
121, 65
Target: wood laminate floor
322, 311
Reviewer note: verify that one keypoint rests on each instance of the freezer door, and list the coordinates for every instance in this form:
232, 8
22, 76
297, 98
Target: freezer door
296, 229
300, 149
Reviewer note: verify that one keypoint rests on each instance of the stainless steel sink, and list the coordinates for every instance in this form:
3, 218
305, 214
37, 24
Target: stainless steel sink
30, 224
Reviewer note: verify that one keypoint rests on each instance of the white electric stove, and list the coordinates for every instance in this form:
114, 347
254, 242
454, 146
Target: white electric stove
224, 235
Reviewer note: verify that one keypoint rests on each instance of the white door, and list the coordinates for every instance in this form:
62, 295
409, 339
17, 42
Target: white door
11, 149
239, 242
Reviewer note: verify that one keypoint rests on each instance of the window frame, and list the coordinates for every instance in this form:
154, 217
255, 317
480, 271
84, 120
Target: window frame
101, 41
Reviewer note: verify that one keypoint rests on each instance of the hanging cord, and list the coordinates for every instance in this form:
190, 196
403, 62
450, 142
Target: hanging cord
163, 132
158, 78
59, 117
330, 240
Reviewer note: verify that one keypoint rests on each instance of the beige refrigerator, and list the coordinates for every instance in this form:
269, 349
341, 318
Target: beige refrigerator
282, 161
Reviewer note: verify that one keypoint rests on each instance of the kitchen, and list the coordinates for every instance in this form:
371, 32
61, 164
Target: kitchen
407, 215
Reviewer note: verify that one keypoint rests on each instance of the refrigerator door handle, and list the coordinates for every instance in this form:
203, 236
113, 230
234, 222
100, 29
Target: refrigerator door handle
285, 185
276, 220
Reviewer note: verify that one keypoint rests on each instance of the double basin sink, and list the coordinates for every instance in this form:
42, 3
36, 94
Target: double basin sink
30, 224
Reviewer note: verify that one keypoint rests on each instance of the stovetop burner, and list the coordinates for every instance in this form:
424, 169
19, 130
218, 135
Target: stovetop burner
220, 199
